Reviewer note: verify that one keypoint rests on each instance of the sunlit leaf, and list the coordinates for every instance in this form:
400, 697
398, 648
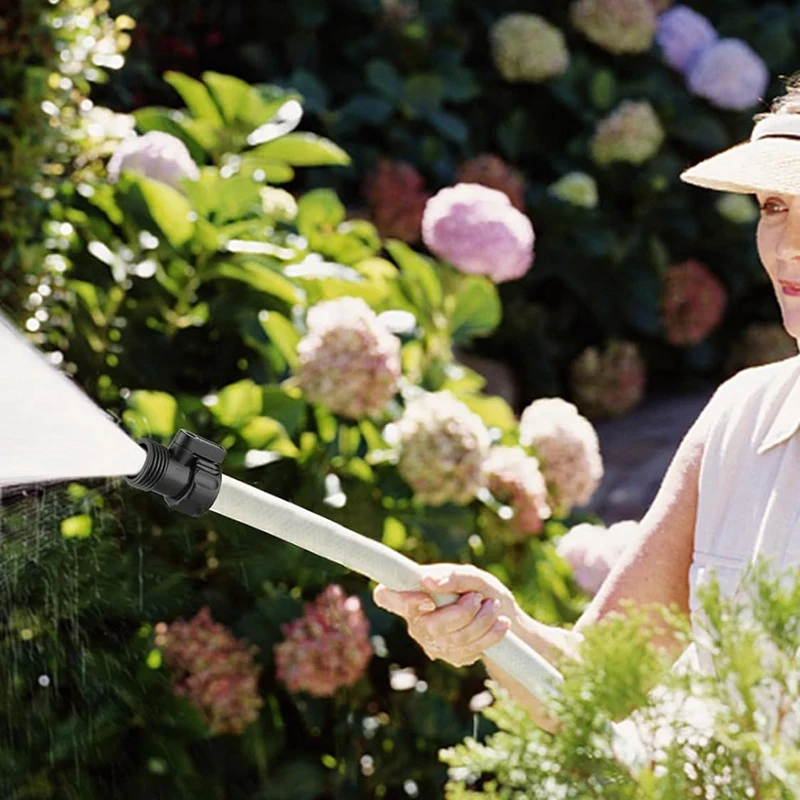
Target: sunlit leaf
319, 208
79, 527
417, 276
478, 310
237, 403
196, 96
260, 277
151, 414
303, 150
282, 334
157, 205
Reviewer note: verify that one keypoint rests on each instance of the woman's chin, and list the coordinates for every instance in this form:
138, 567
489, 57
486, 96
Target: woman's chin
791, 323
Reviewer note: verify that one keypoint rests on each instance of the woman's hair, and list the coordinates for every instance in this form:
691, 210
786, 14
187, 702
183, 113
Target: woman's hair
788, 102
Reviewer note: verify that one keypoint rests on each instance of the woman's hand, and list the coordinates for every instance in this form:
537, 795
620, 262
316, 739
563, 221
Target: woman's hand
461, 632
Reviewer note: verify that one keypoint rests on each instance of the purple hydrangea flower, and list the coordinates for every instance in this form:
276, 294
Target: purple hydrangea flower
729, 74
682, 35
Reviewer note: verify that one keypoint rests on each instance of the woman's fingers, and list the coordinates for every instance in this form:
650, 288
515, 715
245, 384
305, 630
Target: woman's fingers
454, 623
455, 579
458, 633
406, 604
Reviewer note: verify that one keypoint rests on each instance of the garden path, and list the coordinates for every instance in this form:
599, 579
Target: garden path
636, 452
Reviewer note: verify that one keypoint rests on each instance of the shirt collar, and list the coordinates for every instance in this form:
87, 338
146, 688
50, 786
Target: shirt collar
787, 420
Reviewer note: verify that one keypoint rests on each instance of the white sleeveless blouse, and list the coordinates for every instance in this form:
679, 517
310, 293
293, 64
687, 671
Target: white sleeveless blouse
749, 492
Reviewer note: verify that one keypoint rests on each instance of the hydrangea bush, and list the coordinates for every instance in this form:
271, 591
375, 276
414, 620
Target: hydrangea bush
583, 112
199, 292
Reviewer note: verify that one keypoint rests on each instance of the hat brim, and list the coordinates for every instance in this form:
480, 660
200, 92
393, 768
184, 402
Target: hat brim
764, 165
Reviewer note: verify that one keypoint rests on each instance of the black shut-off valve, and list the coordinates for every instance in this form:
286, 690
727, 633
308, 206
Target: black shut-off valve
186, 474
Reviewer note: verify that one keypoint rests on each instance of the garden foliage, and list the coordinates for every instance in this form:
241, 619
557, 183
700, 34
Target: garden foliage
217, 271
728, 732
148, 654
593, 107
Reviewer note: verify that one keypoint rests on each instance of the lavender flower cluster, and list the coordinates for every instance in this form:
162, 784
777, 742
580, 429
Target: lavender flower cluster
726, 72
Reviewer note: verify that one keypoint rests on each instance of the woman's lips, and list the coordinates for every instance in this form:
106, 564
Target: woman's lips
790, 288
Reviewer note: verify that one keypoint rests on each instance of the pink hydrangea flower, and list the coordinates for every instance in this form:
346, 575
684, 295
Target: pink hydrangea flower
479, 232
693, 302
608, 383
213, 670
490, 170
631, 132
396, 196
156, 155
619, 26
526, 47
729, 74
348, 360
592, 550
568, 450
327, 648
442, 446
514, 478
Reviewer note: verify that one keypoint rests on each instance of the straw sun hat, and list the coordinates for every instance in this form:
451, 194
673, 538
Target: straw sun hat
768, 162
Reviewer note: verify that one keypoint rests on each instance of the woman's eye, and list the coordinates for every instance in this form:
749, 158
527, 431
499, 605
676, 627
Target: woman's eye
772, 207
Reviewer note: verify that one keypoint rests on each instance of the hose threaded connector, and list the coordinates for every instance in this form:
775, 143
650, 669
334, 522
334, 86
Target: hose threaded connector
187, 473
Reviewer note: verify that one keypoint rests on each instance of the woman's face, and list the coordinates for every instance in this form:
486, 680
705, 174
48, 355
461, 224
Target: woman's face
778, 240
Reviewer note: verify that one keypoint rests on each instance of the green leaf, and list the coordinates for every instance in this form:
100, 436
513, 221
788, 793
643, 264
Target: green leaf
282, 334
151, 414
478, 310
260, 277
449, 125
424, 91
155, 204
196, 96
418, 277
394, 533
494, 411
233, 96
262, 432
238, 403
79, 527
286, 406
274, 171
154, 659
319, 208
383, 76
603, 89
237, 196
367, 108
302, 150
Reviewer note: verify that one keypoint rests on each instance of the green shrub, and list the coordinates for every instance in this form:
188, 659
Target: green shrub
727, 731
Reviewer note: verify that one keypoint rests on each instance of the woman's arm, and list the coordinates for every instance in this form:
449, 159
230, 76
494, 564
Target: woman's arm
654, 569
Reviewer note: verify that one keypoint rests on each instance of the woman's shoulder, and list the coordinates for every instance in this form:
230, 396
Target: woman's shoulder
753, 382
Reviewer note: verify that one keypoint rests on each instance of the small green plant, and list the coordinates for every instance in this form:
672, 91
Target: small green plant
726, 729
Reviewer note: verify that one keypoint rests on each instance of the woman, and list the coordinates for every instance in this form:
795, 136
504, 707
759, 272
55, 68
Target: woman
731, 492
